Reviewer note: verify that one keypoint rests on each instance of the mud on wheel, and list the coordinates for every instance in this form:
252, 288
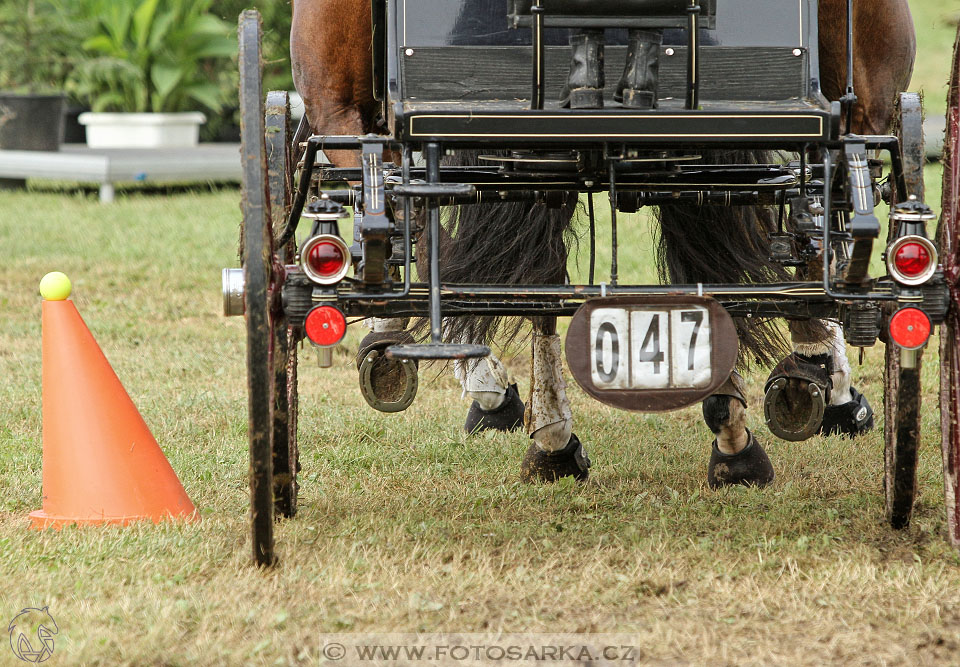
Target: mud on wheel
271, 340
949, 245
901, 388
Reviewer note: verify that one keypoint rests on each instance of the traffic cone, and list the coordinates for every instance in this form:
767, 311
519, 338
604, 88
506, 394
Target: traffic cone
101, 464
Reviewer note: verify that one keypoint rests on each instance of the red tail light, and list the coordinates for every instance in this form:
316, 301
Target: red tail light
912, 260
325, 326
325, 259
910, 328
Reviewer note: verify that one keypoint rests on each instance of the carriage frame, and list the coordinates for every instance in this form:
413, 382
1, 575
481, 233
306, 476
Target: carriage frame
638, 158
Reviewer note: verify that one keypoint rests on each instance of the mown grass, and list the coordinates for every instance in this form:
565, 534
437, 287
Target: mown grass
405, 523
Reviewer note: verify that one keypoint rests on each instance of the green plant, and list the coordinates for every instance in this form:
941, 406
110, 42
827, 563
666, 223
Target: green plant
277, 16
36, 45
151, 55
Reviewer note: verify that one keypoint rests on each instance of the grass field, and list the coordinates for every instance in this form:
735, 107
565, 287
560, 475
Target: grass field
408, 525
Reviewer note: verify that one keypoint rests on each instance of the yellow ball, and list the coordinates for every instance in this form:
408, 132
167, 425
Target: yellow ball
55, 286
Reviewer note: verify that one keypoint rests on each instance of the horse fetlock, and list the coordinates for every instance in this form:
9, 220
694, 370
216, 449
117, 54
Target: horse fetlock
553, 437
383, 324
726, 416
483, 380
488, 400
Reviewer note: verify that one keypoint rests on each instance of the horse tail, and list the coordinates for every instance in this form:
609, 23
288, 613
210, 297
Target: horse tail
511, 243
720, 244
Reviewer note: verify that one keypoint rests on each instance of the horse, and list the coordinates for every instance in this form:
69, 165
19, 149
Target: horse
330, 52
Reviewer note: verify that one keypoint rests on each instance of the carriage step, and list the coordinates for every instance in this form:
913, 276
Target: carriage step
435, 190
429, 351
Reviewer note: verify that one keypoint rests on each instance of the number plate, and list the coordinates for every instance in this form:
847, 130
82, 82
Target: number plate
651, 354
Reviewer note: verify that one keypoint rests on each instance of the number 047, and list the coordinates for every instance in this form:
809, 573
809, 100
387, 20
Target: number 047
650, 349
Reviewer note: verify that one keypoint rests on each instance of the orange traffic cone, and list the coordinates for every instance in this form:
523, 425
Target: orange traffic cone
101, 464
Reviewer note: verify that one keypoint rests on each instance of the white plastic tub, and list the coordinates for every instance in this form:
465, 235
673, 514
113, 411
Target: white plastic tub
142, 130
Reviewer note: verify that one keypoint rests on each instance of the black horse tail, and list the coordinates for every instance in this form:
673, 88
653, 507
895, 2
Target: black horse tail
720, 244
511, 243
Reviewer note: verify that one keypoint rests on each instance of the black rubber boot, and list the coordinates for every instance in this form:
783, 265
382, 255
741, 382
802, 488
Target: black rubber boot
508, 417
541, 466
749, 467
637, 88
849, 419
584, 89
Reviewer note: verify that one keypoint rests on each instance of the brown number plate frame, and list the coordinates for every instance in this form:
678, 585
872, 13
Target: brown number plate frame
725, 347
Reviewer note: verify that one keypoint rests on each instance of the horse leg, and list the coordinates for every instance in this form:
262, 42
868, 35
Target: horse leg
737, 456
496, 402
555, 451
821, 360
330, 54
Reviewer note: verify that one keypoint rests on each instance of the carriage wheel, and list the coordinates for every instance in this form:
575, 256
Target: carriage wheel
901, 389
259, 280
286, 460
949, 245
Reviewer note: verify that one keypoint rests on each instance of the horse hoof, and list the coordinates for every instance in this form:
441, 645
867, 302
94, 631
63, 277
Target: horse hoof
796, 395
541, 466
508, 417
748, 467
849, 419
387, 385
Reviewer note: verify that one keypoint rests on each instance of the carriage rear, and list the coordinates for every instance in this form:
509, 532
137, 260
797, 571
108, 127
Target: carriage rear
452, 77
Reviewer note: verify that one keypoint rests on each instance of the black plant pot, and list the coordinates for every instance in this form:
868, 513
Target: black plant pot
31, 122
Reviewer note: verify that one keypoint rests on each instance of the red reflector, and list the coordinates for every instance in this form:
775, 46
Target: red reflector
910, 328
912, 259
326, 259
325, 326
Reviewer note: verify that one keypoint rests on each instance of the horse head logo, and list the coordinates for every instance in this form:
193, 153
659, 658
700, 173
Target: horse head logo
31, 634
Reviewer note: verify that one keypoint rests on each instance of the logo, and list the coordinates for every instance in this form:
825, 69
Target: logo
31, 634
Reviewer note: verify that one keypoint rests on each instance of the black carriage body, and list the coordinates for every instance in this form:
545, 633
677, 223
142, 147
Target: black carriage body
455, 75
456, 72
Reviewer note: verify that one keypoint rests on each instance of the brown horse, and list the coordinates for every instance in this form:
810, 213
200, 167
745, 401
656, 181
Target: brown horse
331, 42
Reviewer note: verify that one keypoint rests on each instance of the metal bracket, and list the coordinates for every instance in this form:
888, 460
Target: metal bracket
375, 225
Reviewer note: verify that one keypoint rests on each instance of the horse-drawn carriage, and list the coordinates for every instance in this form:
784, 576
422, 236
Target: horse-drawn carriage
499, 112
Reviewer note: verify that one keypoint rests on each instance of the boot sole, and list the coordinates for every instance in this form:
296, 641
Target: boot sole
584, 98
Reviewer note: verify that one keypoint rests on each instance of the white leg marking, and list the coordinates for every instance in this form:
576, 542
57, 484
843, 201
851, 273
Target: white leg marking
837, 348
483, 380
551, 420
841, 369
381, 324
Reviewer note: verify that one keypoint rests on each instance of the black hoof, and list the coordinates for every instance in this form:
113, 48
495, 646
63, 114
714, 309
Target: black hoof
749, 467
849, 419
540, 466
508, 417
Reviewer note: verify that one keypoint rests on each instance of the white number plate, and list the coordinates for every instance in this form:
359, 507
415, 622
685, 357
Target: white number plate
651, 347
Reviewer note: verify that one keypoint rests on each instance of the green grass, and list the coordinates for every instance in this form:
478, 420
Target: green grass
408, 525
936, 25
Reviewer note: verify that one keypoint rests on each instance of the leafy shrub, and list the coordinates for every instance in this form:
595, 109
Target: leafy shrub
151, 55
37, 45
